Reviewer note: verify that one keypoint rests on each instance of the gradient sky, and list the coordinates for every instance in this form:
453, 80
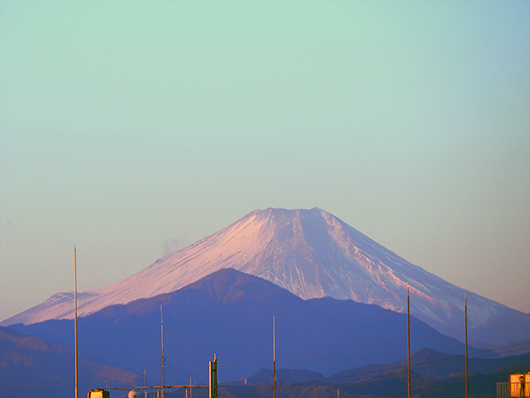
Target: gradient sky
130, 126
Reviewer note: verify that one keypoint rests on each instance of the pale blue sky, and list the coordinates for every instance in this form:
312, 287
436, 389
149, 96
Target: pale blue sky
126, 125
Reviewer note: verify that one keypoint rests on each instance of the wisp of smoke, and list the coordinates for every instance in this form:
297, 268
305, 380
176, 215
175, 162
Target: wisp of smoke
175, 244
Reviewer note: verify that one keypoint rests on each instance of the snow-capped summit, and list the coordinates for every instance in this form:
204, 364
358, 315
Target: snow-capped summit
308, 252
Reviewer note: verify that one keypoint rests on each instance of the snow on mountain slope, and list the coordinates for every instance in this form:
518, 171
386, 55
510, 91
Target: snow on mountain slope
308, 252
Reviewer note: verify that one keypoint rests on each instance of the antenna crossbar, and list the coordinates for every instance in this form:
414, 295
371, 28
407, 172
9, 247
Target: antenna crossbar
159, 387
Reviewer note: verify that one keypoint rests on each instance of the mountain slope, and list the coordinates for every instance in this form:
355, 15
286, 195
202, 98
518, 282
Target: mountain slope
31, 366
229, 313
312, 254
436, 365
434, 374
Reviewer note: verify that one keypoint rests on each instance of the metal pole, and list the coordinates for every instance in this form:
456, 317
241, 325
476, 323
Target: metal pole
75, 325
273, 356
163, 359
216, 391
145, 391
213, 378
408, 337
467, 376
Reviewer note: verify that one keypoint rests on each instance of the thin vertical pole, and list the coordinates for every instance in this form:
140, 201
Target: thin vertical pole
163, 359
216, 390
467, 376
210, 379
213, 378
75, 325
145, 385
273, 356
408, 338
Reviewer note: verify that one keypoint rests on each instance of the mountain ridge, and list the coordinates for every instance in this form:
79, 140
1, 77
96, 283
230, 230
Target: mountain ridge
230, 313
33, 366
310, 253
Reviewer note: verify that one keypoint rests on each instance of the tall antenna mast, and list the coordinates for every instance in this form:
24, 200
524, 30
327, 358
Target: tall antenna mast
467, 380
408, 337
75, 324
273, 356
163, 359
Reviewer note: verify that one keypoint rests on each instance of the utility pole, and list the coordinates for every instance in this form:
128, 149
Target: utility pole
213, 378
145, 385
273, 356
408, 337
75, 325
467, 378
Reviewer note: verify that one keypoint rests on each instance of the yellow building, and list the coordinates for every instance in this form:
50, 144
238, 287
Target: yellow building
520, 385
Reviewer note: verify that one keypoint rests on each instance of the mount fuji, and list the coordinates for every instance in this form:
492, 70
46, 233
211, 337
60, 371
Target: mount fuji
312, 254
